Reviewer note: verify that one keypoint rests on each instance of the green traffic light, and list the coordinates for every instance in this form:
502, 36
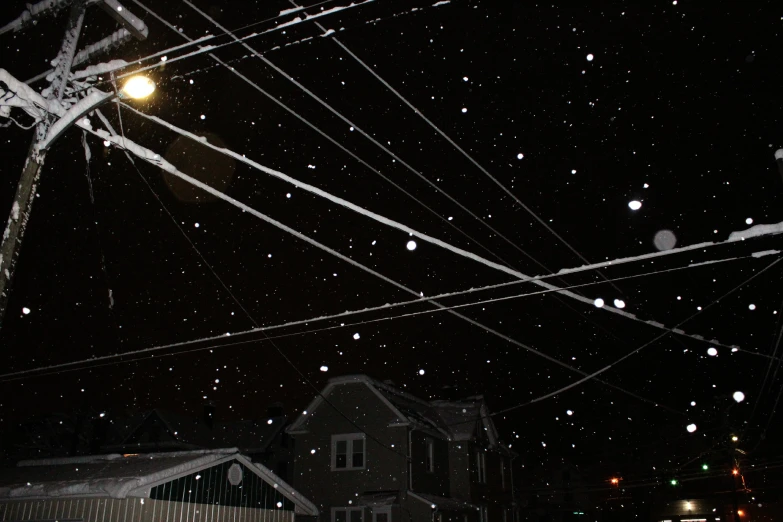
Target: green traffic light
705, 467
674, 482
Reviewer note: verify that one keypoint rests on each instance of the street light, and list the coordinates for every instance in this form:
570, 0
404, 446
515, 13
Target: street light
138, 87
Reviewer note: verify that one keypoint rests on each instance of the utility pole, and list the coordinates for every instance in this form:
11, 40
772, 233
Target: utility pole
11, 242
779, 161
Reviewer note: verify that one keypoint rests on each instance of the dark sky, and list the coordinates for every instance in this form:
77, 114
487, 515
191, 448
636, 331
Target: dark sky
678, 108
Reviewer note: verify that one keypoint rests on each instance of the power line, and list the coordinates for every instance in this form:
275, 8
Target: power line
404, 228
155, 159
155, 349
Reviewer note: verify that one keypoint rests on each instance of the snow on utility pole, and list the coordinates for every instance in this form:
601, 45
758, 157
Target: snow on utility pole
13, 234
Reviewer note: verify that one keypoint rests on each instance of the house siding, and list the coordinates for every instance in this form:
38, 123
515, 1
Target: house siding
133, 510
384, 470
424, 481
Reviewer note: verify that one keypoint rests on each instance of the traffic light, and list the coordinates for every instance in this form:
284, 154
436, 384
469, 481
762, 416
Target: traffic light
673, 482
705, 467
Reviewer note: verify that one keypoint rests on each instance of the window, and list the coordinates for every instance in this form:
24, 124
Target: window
429, 461
481, 466
348, 514
348, 452
381, 514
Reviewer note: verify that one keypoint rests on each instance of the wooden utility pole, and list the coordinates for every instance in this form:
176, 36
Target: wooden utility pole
11, 241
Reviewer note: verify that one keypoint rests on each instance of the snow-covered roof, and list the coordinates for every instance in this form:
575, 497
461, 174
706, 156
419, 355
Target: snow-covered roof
123, 476
453, 420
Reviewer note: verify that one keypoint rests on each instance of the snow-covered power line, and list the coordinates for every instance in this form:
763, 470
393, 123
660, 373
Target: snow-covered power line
326, 136
361, 131
399, 226
220, 339
453, 144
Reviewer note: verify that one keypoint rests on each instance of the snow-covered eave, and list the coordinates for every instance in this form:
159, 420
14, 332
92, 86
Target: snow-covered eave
302, 505
756, 231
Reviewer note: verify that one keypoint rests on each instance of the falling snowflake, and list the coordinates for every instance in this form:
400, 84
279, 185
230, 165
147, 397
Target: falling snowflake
269, 421
464, 78
598, 302
411, 245
693, 403
619, 303
25, 310
739, 396
421, 372
590, 57
691, 428
356, 336
635, 205
196, 225
324, 368
520, 156
288, 195
464, 110
712, 352
203, 117
573, 171
751, 307
569, 412
749, 221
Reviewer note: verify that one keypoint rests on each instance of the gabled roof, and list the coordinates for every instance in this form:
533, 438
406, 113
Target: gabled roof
447, 419
118, 476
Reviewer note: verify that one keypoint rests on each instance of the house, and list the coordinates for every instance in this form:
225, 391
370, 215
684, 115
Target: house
558, 493
366, 451
209, 486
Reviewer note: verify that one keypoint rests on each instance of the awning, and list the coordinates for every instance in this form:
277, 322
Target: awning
378, 499
443, 503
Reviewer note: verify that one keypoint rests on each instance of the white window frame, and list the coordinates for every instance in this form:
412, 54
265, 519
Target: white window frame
347, 511
349, 438
380, 511
481, 466
429, 459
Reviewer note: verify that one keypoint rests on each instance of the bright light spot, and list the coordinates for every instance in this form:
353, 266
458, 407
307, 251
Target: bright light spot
197, 225
411, 245
279, 504
464, 78
691, 428
751, 307
734, 350
712, 352
543, 444
749, 221
191, 82
324, 368
139, 87
421, 372
288, 195
101, 415
356, 336
269, 421
739, 396
164, 58
569, 412
590, 57
693, 403
25, 310
351, 129
573, 171
598, 302
198, 477
106, 143
312, 452
520, 156
203, 117
646, 185
464, 110
619, 303
734, 438
664, 240
635, 205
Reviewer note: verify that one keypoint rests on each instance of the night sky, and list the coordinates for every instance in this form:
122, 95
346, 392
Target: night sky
577, 111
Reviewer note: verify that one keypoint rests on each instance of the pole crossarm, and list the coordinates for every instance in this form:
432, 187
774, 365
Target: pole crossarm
33, 11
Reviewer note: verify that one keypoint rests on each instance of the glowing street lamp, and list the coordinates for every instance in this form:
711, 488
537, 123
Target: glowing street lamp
705, 467
615, 481
138, 87
735, 471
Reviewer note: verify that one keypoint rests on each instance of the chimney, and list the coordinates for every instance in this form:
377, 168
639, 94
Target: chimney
209, 414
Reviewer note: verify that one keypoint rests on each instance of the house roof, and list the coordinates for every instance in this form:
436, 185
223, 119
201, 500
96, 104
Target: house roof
122, 476
454, 420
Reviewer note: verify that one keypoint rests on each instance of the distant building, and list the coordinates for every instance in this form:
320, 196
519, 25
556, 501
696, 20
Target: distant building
208, 486
399, 457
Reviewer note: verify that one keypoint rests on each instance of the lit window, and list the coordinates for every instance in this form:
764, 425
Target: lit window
430, 458
348, 452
